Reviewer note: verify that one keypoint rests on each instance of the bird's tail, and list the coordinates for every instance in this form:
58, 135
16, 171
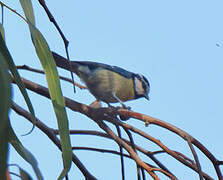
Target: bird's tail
64, 63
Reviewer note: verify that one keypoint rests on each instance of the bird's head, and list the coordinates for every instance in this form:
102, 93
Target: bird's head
141, 86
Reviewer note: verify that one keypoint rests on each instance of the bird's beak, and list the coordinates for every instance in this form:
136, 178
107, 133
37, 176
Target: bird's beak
146, 96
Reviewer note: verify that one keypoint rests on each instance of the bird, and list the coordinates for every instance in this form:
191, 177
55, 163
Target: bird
110, 84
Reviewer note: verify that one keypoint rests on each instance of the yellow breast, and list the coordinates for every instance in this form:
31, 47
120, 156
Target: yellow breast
123, 87
113, 82
103, 83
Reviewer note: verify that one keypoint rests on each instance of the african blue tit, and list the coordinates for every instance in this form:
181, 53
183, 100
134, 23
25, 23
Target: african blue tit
109, 84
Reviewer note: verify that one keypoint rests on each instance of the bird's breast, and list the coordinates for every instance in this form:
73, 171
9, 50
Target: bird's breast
102, 83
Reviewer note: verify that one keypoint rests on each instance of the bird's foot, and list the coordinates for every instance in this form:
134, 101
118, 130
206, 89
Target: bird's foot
125, 117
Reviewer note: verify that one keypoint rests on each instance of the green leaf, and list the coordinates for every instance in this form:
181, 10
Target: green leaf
29, 13
28, 10
5, 101
5, 53
24, 153
49, 66
24, 175
2, 31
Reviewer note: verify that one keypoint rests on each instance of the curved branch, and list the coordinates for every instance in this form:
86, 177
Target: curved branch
159, 143
25, 67
50, 133
51, 18
127, 148
196, 159
150, 120
145, 152
121, 154
100, 150
110, 113
134, 148
118, 153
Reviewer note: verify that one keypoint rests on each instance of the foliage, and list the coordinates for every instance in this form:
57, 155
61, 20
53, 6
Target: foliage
101, 116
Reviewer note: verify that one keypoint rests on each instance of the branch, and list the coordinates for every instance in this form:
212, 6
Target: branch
121, 154
108, 114
127, 148
50, 133
196, 159
101, 150
25, 67
66, 42
159, 143
150, 120
51, 18
134, 148
92, 113
145, 152
113, 152
2, 4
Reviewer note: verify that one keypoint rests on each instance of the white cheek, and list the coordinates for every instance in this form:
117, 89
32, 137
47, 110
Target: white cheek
138, 86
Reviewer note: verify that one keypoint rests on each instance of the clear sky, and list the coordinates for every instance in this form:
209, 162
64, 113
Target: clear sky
177, 45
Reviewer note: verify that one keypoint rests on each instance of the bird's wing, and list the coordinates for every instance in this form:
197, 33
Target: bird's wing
94, 66
64, 63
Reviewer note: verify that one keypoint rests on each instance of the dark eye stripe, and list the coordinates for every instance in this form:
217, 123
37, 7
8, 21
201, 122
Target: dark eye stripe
145, 84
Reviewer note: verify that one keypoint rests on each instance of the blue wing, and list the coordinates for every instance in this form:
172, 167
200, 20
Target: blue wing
95, 65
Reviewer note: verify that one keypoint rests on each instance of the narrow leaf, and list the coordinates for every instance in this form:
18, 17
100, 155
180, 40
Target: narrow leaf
5, 97
2, 31
24, 153
5, 53
28, 10
49, 66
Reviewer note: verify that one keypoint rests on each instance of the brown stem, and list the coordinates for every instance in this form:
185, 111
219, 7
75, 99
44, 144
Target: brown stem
50, 133
66, 42
127, 148
121, 154
150, 120
107, 113
51, 18
25, 67
196, 159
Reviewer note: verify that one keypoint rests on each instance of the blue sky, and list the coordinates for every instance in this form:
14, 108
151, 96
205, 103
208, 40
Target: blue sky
177, 45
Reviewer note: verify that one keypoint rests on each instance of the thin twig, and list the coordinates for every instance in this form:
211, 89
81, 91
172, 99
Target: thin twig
127, 148
121, 153
179, 153
101, 150
196, 159
49, 132
105, 151
66, 42
150, 120
51, 18
134, 148
146, 152
185, 157
25, 67
15, 174
105, 113
156, 141
13, 11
